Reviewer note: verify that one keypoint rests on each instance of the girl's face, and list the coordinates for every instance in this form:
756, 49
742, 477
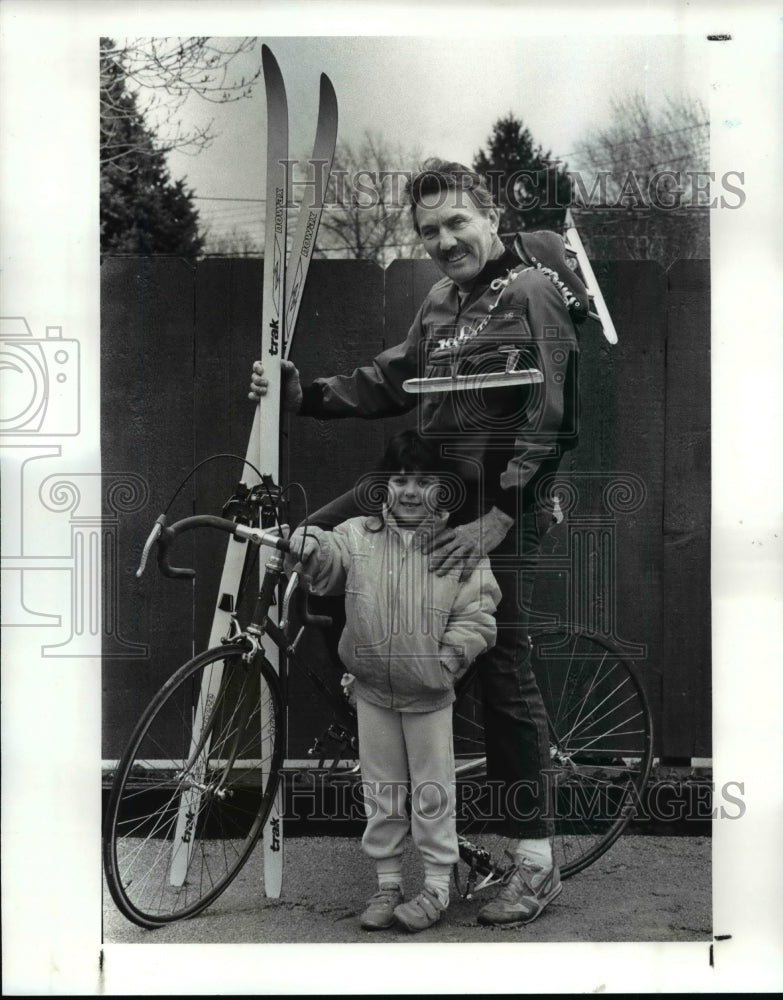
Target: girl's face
412, 497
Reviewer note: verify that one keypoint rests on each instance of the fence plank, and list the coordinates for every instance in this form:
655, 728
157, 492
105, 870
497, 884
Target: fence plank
407, 283
227, 339
686, 521
146, 420
639, 309
340, 327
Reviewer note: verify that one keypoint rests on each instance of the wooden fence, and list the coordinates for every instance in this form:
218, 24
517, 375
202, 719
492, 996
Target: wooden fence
632, 557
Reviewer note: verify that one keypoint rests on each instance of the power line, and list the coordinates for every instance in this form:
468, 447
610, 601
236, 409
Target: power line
637, 138
619, 164
203, 197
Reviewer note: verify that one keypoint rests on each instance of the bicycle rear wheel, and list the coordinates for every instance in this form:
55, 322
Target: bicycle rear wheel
600, 731
194, 786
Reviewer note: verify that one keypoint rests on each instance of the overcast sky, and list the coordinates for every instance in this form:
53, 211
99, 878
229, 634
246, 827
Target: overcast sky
439, 95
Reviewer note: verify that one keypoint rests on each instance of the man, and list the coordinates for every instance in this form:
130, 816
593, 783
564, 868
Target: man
501, 445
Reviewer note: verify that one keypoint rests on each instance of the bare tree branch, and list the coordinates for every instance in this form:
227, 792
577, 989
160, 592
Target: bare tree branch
364, 218
640, 182
156, 76
237, 242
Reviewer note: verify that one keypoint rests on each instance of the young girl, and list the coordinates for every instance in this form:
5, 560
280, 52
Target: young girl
409, 635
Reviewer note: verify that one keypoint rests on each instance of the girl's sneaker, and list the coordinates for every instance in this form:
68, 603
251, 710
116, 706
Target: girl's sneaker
379, 912
422, 912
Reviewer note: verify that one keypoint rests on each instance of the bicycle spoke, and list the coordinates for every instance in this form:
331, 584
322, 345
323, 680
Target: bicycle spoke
564, 686
595, 708
589, 691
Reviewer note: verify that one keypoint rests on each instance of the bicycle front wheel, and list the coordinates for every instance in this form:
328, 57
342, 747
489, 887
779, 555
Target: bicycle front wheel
600, 736
194, 786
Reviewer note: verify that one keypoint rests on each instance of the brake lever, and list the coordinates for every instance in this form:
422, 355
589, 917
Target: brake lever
293, 583
154, 535
163, 536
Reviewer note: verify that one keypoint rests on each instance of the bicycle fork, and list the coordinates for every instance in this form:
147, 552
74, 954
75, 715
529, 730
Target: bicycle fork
212, 698
212, 694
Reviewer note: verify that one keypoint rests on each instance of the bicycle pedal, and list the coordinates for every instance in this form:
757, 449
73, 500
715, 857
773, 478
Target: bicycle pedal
303, 780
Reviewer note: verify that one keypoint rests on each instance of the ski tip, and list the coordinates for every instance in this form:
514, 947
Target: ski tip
268, 60
328, 91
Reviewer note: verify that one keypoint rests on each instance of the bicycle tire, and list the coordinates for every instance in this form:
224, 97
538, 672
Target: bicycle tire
601, 745
183, 817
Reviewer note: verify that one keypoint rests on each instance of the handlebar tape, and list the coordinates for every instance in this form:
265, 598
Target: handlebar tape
168, 534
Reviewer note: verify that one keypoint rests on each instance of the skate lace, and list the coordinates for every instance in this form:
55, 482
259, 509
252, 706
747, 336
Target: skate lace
499, 285
466, 333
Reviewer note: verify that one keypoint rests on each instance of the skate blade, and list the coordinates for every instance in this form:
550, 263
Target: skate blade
482, 380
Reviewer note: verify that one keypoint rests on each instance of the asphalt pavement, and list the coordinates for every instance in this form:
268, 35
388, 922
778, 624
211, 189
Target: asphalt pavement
645, 889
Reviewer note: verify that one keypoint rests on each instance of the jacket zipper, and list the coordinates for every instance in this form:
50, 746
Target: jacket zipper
401, 547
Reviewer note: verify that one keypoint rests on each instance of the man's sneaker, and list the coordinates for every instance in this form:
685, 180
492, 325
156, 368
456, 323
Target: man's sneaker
379, 912
528, 890
422, 912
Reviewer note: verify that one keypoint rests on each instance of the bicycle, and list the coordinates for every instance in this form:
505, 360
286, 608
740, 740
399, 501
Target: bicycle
195, 785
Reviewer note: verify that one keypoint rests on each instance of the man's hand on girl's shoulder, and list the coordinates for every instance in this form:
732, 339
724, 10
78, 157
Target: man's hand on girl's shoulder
467, 544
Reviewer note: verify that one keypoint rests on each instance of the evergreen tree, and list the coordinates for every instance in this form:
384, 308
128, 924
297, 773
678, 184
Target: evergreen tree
142, 210
531, 191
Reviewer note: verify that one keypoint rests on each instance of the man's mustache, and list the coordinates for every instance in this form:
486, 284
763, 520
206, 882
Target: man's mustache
452, 254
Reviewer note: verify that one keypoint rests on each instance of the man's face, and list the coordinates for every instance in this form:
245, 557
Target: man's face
457, 235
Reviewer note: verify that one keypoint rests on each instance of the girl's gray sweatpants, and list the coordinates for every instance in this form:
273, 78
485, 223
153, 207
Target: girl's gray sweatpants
394, 746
